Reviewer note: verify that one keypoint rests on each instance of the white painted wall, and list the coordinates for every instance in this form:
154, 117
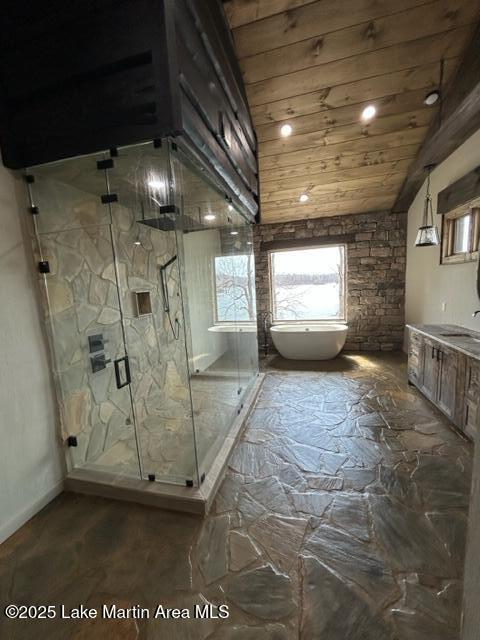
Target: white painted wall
200, 249
31, 469
429, 284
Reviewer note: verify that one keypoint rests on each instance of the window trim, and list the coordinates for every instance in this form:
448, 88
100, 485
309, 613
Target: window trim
342, 318
447, 256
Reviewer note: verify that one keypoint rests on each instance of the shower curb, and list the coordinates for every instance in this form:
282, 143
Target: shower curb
167, 496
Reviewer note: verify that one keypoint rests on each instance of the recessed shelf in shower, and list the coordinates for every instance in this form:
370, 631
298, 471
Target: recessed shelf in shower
144, 303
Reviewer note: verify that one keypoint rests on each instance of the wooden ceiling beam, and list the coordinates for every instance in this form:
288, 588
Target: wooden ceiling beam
457, 121
419, 22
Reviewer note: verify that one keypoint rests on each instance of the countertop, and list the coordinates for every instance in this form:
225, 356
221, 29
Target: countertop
469, 345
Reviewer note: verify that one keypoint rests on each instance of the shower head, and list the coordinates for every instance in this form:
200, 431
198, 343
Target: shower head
169, 219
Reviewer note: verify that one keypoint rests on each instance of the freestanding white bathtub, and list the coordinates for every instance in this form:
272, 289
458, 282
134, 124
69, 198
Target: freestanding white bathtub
309, 341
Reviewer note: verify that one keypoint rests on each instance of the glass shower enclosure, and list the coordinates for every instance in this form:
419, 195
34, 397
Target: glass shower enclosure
147, 277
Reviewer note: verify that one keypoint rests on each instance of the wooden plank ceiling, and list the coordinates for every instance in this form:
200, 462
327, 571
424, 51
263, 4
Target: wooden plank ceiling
316, 65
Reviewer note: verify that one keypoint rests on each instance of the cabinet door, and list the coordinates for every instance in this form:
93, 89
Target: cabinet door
472, 399
415, 357
447, 381
430, 369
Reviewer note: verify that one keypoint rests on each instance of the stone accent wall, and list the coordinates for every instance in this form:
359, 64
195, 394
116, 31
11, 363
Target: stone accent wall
375, 279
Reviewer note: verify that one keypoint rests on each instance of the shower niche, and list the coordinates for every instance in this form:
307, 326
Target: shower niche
149, 302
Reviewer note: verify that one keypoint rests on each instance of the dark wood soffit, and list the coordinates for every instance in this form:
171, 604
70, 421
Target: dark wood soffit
458, 120
460, 192
303, 243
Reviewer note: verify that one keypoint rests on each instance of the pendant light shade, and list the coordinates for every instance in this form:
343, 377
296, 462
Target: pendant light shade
427, 235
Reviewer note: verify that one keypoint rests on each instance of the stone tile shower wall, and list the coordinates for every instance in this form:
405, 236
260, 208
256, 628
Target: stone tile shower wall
375, 278
81, 297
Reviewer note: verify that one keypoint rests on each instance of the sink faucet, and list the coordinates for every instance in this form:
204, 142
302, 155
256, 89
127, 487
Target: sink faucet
475, 313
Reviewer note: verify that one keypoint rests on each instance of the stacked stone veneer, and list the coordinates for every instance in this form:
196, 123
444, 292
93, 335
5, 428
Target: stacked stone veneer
375, 278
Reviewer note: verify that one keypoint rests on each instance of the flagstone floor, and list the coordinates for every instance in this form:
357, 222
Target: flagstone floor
342, 515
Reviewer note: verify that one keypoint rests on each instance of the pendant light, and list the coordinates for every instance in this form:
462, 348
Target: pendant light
428, 235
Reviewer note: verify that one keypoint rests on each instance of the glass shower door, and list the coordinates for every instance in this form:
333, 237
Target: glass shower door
210, 312
144, 226
74, 249
244, 300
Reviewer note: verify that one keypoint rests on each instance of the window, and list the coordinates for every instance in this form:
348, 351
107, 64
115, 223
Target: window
308, 284
235, 288
460, 235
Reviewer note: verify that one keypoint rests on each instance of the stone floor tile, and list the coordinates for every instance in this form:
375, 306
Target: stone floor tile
342, 515
262, 592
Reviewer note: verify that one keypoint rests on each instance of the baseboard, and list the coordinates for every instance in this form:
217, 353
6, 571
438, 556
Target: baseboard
9, 528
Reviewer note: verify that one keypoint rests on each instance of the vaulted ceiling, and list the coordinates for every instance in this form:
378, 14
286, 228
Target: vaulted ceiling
316, 65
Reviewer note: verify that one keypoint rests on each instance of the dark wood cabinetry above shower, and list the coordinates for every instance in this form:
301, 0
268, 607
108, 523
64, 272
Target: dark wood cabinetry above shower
85, 76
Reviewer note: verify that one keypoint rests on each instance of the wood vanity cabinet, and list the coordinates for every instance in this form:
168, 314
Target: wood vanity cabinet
447, 378
439, 379
471, 416
429, 375
415, 357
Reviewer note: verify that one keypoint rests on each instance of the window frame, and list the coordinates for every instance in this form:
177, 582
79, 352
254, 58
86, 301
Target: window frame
342, 318
216, 321
449, 220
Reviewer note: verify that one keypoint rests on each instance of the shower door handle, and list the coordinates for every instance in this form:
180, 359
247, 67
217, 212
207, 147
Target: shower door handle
118, 376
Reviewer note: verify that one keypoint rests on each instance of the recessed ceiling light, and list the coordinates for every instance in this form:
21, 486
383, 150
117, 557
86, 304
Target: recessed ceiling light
137, 242
209, 217
369, 112
304, 197
286, 130
155, 184
432, 97
234, 233
249, 242
230, 207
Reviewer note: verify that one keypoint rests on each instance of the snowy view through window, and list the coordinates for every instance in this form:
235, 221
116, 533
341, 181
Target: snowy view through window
308, 284
235, 288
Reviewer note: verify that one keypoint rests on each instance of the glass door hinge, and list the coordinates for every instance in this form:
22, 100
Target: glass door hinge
105, 164
44, 266
109, 197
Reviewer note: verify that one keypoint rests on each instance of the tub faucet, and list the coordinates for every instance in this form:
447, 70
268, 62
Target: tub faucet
475, 313
265, 317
